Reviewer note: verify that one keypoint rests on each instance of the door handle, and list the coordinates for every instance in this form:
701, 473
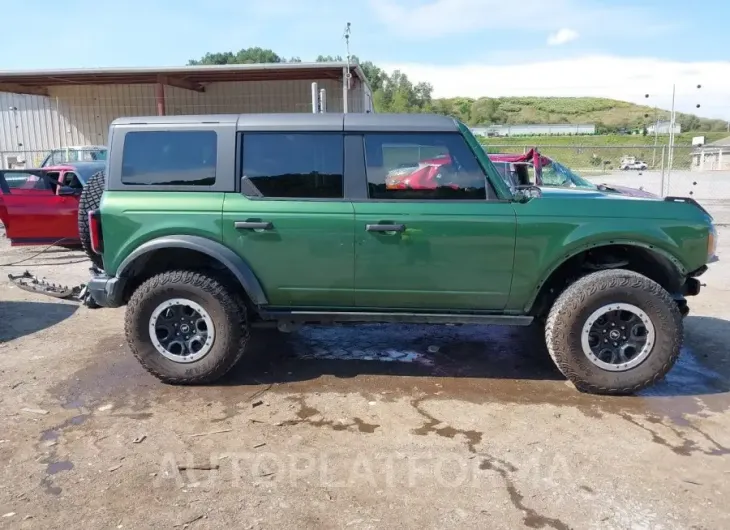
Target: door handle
386, 228
253, 225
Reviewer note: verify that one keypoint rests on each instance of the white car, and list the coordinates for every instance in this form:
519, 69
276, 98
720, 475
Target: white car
634, 165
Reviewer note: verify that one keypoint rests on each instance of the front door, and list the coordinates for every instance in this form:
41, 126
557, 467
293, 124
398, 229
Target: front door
33, 213
290, 221
431, 234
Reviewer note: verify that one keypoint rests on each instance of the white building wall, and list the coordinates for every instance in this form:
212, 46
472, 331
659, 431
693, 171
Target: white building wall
664, 127
535, 130
81, 115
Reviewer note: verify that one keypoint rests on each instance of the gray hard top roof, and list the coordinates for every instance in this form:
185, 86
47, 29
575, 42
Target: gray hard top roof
362, 122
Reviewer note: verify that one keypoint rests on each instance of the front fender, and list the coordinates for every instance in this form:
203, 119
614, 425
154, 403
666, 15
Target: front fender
543, 246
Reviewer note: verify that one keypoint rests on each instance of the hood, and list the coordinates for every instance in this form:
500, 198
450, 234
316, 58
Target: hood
583, 193
630, 192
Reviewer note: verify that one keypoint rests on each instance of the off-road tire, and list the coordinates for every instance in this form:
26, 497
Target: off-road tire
90, 200
570, 311
225, 309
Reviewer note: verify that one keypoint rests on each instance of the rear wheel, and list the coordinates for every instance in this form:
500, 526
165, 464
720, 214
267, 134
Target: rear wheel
186, 327
614, 332
90, 200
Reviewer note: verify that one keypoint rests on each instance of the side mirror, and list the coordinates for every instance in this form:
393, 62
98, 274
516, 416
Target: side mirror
525, 193
68, 191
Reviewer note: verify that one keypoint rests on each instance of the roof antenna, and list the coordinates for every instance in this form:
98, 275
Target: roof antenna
347, 46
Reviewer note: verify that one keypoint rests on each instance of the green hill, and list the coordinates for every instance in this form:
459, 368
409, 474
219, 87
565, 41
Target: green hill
609, 115
394, 92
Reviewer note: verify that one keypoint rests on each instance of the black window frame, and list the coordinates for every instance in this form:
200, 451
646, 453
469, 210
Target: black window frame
246, 187
174, 186
364, 191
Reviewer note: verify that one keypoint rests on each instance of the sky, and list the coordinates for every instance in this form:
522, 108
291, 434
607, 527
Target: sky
609, 48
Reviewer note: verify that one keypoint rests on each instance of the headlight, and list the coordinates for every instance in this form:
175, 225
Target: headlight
711, 243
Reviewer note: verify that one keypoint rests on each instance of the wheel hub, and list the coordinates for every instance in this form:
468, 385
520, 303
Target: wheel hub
617, 337
181, 330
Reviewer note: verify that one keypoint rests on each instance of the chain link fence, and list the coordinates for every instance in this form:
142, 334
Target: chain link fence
596, 159
682, 170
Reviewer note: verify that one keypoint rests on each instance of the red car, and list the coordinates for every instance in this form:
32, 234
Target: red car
40, 206
514, 169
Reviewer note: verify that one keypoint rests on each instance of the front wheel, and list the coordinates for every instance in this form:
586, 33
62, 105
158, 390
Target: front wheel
186, 327
614, 332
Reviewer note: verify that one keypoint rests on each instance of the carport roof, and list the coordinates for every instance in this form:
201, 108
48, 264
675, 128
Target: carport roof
187, 77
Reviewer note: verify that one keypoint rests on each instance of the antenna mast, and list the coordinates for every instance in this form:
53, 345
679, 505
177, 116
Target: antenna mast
347, 47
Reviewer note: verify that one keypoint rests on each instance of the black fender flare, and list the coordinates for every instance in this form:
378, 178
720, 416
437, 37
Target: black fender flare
229, 259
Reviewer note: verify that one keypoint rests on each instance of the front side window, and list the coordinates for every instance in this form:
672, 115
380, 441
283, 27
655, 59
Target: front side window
26, 181
294, 165
71, 180
169, 158
423, 166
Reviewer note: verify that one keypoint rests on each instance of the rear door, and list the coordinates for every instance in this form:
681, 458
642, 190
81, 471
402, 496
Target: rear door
447, 245
31, 210
290, 220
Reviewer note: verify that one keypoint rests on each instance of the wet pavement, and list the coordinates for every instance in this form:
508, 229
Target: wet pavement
473, 363
364, 426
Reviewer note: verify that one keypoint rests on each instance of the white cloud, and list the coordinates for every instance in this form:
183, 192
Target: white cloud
622, 78
562, 36
445, 17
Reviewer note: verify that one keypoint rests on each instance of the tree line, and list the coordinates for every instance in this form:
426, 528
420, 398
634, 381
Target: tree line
395, 92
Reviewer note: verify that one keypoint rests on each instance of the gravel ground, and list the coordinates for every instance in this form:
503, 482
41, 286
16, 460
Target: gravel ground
363, 427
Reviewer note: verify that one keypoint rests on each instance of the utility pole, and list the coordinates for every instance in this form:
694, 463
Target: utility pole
672, 125
347, 74
672, 121
656, 132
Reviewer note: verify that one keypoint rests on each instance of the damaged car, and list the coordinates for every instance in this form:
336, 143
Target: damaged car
40, 206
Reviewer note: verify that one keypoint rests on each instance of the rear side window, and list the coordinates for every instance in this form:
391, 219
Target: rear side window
294, 165
169, 158
423, 166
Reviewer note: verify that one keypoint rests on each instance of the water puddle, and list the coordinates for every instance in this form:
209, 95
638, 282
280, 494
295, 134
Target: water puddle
478, 364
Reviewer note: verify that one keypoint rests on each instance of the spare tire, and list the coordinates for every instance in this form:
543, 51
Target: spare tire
90, 200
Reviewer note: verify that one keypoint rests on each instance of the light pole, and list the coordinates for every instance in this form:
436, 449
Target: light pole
672, 120
670, 156
656, 132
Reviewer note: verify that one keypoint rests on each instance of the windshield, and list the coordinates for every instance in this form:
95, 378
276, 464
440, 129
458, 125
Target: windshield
75, 154
556, 174
86, 171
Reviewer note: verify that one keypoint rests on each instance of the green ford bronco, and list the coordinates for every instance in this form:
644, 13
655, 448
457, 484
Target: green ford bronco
210, 227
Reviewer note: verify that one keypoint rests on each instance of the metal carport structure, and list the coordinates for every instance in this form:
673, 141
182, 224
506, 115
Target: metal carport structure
49, 109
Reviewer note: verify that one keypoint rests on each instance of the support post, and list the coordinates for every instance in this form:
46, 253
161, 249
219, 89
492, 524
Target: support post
322, 100
315, 97
345, 91
160, 97
661, 191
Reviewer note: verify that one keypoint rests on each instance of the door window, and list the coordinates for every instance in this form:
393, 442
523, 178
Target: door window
26, 181
293, 165
423, 166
